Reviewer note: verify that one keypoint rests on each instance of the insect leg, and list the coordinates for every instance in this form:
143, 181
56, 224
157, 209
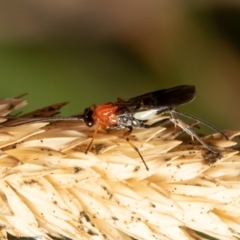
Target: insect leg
132, 145
93, 136
186, 128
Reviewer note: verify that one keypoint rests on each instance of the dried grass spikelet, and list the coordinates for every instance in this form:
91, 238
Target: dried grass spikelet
51, 188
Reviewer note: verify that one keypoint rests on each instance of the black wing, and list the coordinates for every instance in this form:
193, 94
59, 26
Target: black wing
170, 97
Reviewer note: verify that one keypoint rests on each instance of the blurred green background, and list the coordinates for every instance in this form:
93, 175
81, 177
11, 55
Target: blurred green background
89, 52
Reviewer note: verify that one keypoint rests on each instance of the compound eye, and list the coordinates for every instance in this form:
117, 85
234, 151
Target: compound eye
88, 112
87, 116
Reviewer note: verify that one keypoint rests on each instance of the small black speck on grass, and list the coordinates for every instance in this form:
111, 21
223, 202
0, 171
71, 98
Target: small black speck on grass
90, 232
77, 169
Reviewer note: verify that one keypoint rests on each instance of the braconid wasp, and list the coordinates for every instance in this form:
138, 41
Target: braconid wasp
134, 113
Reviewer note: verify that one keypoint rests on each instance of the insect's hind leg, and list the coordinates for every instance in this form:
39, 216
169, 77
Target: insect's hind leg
186, 128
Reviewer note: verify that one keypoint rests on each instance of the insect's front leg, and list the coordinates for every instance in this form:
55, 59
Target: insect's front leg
93, 136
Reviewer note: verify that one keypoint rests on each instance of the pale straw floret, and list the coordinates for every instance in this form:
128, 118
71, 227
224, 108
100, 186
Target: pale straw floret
50, 188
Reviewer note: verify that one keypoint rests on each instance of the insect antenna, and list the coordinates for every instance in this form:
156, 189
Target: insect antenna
200, 121
37, 119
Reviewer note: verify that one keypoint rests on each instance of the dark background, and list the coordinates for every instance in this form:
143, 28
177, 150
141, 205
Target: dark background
93, 51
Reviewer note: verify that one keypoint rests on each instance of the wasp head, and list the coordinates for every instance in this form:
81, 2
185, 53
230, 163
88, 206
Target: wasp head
87, 117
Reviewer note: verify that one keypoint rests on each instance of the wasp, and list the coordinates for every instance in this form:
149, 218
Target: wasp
136, 112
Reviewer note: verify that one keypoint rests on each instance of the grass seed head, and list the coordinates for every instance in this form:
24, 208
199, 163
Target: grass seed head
50, 188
